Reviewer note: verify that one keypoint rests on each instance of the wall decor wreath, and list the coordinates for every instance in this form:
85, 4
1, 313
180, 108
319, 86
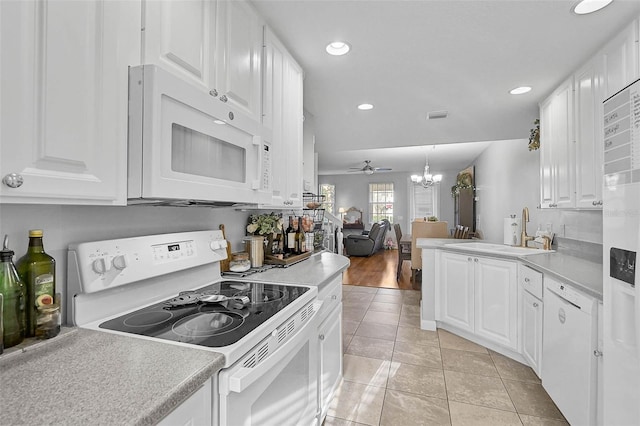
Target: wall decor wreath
534, 136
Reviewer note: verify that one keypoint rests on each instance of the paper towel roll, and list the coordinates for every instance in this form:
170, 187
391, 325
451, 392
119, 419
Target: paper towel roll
512, 231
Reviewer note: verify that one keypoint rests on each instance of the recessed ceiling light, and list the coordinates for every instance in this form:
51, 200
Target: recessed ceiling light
365, 107
338, 48
589, 6
520, 90
219, 122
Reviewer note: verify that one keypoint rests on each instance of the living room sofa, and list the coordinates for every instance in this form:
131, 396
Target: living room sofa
367, 243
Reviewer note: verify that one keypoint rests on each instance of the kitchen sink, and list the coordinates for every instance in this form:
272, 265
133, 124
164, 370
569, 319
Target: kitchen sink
497, 249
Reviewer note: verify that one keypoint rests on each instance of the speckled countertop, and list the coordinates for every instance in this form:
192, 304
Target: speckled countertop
86, 377
584, 275
317, 270
89, 377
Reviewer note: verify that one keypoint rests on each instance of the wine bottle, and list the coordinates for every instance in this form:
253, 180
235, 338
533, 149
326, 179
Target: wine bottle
38, 271
13, 304
300, 241
291, 238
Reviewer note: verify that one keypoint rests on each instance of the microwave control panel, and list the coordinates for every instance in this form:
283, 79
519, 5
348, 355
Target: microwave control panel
266, 167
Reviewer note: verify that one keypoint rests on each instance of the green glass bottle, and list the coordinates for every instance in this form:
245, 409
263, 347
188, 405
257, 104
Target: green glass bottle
13, 303
38, 272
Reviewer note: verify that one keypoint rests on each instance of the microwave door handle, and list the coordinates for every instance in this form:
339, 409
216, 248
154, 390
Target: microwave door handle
245, 377
257, 142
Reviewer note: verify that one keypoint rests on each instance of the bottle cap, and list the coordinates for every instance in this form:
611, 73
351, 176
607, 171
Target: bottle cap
35, 233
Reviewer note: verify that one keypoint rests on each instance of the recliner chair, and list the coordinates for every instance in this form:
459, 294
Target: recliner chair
366, 245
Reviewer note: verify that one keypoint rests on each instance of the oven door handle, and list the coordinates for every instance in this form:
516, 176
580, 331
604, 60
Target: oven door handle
245, 377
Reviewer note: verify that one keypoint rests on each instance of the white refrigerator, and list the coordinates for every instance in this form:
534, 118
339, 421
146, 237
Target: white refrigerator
621, 242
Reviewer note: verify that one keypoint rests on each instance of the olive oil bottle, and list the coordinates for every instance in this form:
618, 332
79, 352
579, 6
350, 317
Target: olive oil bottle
13, 304
38, 271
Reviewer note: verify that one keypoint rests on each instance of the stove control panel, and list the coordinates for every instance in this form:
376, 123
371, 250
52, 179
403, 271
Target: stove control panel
99, 265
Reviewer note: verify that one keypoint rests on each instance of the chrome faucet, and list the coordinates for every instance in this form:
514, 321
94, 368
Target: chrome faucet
523, 235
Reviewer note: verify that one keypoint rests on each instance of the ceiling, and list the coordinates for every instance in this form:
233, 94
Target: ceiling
412, 57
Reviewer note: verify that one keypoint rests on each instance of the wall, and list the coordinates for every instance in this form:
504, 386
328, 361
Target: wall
64, 225
352, 190
507, 180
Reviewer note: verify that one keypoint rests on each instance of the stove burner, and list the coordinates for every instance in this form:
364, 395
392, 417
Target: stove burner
144, 319
205, 324
184, 299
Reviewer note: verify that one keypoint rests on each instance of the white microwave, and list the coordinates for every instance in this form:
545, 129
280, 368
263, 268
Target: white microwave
186, 147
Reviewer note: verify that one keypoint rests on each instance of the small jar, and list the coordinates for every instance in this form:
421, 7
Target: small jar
48, 321
239, 262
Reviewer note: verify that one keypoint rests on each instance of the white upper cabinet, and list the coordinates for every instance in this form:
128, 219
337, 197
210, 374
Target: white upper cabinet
238, 56
180, 37
621, 60
588, 133
556, 148
64, 101
571, 139
214, 44
283, 115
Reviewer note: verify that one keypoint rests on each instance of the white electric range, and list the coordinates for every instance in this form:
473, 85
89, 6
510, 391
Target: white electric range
169, 288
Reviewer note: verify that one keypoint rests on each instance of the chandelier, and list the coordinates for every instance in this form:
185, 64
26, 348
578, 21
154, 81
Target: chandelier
427, 179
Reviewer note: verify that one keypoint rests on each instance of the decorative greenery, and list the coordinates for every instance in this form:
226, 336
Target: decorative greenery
464, 181
534, 136
264, 224
432, 219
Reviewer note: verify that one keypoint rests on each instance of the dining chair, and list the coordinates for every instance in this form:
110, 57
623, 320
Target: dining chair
404, 250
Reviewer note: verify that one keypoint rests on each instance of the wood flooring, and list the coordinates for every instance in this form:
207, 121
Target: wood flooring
378, 270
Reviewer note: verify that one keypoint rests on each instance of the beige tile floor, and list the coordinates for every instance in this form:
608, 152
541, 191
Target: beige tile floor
397, 374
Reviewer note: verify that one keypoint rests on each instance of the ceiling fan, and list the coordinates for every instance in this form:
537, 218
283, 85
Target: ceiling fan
368, 169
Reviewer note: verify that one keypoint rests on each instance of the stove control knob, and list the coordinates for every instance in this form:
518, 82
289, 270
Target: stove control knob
120, 262
214, 245
100, 265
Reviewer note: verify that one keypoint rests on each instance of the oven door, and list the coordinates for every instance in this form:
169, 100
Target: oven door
187, 145
281, 389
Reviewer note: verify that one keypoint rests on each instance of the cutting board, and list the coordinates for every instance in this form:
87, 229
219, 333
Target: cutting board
224, 264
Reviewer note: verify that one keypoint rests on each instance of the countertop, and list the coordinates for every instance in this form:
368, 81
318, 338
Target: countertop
582, 274
90, 377
317, 270
86, 377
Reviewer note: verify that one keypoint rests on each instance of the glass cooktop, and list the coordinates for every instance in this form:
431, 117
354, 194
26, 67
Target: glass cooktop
192, 317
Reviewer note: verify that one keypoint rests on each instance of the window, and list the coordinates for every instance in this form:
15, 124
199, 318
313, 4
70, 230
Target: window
423, 201
380, 202
329, 202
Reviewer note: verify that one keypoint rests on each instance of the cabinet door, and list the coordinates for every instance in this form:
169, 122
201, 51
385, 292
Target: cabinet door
589, 134
531, 329
330, 369
496, 301
196, 410
621, 60
64, 99
282, 113
557, 156
180, 37
238, 56
456, 290
292, 123
546, 165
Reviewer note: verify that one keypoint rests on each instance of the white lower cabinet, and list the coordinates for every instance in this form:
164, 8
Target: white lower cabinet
479, 295
329, 345
194, 411
531, 313
531, 326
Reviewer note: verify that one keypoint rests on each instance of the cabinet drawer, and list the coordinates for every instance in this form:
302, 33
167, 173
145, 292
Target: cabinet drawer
531, 280
330, 295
